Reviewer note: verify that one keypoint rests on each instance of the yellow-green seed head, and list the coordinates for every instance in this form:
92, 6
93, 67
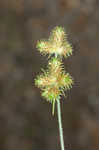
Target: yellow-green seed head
56, 44
54, 80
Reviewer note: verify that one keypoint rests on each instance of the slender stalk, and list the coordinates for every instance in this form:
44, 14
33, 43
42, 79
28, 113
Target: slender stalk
60, 125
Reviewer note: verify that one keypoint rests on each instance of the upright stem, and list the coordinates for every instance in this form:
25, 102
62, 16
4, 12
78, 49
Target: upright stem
60, 125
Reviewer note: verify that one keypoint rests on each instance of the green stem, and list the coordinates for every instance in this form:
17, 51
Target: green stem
53, 107
60, 125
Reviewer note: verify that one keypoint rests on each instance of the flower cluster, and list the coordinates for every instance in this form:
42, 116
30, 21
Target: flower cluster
54, 80
56, 44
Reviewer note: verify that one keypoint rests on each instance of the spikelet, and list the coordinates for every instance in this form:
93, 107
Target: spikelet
56, 44
54, 81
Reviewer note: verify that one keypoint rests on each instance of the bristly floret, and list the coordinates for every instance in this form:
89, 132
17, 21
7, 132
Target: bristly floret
56, 44
57, 36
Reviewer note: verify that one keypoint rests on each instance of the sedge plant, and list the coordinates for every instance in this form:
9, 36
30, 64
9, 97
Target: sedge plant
54, 81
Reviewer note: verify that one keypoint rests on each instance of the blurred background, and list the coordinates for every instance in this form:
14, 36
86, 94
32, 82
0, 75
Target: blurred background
26, 122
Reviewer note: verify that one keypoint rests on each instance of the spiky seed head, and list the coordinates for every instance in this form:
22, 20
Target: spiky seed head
56, 44
54, 80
